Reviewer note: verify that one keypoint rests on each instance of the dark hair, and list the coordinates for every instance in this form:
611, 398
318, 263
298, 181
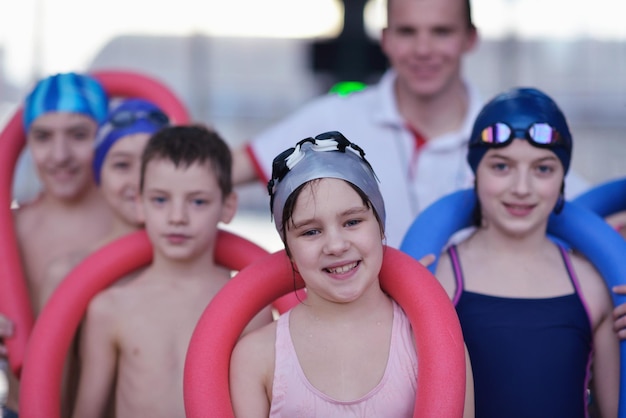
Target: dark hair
290, 204
186, 145
468, 14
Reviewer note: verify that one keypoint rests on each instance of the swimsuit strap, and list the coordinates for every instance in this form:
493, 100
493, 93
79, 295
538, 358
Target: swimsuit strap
574, 279
458, 273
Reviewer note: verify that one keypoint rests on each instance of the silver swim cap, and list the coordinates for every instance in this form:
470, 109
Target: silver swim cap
328, 155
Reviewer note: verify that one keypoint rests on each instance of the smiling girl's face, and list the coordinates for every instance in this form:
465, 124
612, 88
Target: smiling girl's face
335, 241
518, 187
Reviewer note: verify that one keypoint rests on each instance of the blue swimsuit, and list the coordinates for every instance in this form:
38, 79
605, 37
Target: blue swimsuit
530, 357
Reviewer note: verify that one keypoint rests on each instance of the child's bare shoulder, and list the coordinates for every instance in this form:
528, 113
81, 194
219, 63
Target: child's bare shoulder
259, 338
594, 287
445, 274
585, 270
258, 345
27, 218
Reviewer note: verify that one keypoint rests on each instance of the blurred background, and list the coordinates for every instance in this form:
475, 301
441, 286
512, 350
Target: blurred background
240, 65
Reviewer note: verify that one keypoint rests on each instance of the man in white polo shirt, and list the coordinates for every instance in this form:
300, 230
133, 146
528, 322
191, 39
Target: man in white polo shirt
413, 125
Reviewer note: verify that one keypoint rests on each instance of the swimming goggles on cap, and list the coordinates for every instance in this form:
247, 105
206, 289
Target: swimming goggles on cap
327, 141
126, 118
501, 134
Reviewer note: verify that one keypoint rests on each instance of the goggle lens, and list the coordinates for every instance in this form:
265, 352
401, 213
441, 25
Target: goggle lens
538, 133
542, 133
498, 133
127, 118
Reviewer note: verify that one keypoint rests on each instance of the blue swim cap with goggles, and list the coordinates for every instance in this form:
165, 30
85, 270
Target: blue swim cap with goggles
328, 155
132, 116
524, 113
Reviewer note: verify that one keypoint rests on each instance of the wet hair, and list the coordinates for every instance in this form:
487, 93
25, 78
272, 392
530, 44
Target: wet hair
187, 145
468, 13
290, 204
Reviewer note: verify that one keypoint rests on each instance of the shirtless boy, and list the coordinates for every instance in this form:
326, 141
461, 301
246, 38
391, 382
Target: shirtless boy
135, 338
61, 117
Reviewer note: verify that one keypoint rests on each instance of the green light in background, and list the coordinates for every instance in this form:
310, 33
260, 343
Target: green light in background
344, 88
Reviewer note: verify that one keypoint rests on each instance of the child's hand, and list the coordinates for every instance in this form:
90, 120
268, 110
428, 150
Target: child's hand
6, 330
619, 314
428, 259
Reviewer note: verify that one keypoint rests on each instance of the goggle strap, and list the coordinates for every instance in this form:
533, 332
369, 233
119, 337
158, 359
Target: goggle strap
321, 143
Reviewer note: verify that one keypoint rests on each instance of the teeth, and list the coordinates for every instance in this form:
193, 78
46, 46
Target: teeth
343, 269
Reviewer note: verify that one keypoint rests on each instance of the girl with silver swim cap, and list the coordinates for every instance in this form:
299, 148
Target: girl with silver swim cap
330, 214
328, 155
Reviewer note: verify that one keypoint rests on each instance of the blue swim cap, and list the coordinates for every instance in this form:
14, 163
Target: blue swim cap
69, 92
132, 116
520, 108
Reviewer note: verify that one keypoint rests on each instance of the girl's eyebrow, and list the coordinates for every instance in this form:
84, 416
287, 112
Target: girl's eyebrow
497, 156
304, 223
356, 210
548, 158
349, 212
505, 157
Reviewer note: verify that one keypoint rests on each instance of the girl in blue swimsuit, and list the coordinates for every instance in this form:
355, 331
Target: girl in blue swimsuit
536, 318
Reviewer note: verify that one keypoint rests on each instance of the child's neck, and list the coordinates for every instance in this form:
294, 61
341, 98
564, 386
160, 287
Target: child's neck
495, 241
201, 266
359, 310
90, 197
433, 117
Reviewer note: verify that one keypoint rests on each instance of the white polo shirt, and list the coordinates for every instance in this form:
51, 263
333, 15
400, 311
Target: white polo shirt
370, 119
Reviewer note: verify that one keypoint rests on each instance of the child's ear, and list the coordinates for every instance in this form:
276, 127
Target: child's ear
229, 208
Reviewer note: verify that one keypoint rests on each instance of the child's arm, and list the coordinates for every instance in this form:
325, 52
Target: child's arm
606, 354
606, 366
6, 331
619, 313
469, 411
251, 374
98, 359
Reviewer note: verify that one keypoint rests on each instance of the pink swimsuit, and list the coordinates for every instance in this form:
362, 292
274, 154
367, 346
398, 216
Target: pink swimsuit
394, 396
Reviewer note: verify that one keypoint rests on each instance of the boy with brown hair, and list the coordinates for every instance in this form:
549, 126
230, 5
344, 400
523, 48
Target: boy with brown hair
135, 337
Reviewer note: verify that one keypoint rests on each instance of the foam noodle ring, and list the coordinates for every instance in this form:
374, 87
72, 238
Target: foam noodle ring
577, 226
57, 324
14, 297
605, 199
132, 84
441, 381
